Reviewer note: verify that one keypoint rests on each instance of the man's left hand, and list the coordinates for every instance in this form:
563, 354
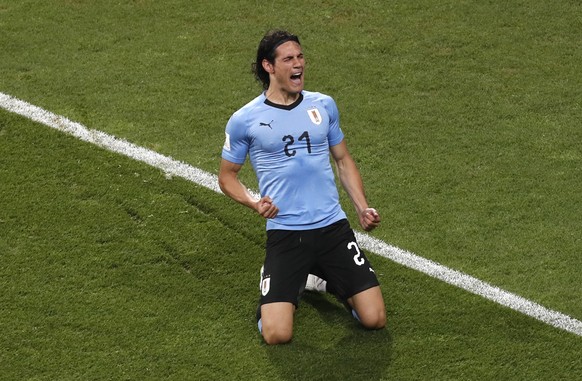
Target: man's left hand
369, 219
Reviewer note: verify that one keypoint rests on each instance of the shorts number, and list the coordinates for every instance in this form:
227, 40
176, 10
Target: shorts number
357, 258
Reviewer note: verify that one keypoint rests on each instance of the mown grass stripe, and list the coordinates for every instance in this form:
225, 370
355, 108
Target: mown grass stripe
176, 168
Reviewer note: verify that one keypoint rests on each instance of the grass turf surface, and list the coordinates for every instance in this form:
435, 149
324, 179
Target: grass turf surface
462, 116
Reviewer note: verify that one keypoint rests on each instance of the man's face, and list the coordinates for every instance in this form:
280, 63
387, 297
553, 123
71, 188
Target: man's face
287, 71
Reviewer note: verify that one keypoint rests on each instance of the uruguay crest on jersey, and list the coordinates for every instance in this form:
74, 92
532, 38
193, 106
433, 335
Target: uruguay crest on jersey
265, 286
314, 115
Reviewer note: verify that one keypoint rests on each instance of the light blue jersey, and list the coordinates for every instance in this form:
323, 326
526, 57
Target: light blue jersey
288, 148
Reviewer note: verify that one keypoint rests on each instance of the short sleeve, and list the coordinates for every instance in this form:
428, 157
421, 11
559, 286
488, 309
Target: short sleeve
335, 134
236, 144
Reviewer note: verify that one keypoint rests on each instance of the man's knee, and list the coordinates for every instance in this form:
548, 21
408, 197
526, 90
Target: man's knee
277, 335
370, 309
277, 322
373, 318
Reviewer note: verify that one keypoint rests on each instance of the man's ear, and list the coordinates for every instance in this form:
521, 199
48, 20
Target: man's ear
268, 66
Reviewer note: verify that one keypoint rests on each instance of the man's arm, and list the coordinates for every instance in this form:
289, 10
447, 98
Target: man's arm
233, 188
351, 180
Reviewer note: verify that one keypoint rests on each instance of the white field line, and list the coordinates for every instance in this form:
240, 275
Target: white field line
210, 181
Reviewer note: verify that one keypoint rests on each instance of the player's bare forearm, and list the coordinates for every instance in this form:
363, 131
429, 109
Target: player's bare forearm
349, 176
351, 181
232, 187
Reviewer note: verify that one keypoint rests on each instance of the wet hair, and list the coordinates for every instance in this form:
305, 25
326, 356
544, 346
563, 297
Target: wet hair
266, 50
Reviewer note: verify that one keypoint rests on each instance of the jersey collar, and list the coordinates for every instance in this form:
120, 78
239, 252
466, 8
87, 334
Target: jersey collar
285, 107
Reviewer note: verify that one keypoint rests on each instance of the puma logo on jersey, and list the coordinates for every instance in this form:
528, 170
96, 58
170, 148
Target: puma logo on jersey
266, 124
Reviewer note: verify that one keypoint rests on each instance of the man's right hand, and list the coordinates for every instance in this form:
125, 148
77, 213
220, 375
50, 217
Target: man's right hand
266, 208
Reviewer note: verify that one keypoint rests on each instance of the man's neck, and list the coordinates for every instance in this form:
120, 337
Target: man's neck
281, 97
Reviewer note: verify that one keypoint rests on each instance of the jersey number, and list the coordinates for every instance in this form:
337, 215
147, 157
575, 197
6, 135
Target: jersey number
357, 258
290, 140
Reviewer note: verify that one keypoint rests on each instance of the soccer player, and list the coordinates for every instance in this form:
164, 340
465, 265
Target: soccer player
288, 134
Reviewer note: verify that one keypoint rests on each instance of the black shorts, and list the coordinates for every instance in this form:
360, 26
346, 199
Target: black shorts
330, 252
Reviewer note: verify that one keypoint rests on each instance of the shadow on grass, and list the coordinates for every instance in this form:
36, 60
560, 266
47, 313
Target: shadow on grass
354, 354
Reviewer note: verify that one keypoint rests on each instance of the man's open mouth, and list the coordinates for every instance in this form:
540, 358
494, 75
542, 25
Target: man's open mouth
296, 76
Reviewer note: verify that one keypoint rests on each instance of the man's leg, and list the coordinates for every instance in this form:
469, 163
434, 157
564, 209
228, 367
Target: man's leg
369, 308
350, 277
276, 322
366, 306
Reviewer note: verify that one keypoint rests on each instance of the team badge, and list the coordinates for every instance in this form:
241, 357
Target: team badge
314, 115
265, 286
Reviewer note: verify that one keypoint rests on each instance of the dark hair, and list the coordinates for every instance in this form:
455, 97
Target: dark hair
266, 50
